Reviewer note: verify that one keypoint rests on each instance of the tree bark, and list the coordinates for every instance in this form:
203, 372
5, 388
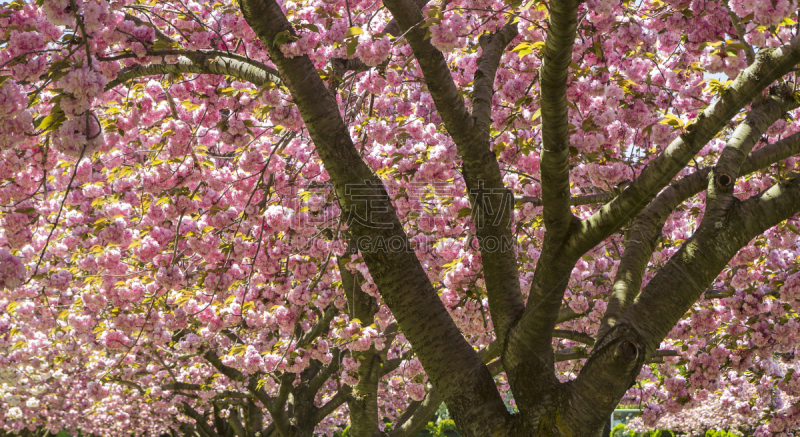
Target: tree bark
450, 362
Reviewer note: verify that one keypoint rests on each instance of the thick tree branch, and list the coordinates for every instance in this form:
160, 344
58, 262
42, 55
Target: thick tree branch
201, 63
580, 337
319, 379
410, 410
493, 45
363, 404
770, 64
236, 424
749, 53
449, 360
321, 326
181, 386
719, 198
772, 153
228, 371
418, 414
589, 199
647, 226
491, 200
573, 353
434, 67
692, 269
360, 305
284, 390
199, 419
335, 402
617, 358
529, 358
229, 394
561, 31
254, 418
279, 416
191, 54
415, 423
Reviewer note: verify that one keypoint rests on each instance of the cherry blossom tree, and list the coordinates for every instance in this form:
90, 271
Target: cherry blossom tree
264, 218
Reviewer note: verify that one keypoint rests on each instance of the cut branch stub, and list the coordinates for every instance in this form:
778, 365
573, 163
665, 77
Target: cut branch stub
609, 372
724, 180
627, 350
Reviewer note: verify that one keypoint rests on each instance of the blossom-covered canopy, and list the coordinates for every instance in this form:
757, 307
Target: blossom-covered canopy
287, 217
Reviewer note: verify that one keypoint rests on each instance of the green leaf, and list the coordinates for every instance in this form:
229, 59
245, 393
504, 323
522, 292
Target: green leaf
310, 27
52, 121
521, 46
354, 31
526, 47
162, 45
737, 46
281, 38
435, 13
464, 212
351, 47
524, 100
229, 91
672, 120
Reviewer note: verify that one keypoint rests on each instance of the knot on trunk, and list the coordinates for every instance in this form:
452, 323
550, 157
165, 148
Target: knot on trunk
627, 350
622, 344
724, 180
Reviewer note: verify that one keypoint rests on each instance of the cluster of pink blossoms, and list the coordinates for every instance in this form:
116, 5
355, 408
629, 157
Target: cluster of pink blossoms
15, 119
